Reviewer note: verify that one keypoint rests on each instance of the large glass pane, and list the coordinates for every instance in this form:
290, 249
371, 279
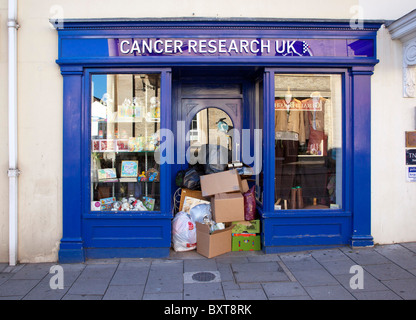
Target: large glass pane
125, 118
308, 141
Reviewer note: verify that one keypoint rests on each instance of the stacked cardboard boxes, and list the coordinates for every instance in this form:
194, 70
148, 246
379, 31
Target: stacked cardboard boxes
225, 191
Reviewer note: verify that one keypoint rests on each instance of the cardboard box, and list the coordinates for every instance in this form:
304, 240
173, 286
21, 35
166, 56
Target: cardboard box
245, 242
227, 207
221, 182
215, 244
252, 226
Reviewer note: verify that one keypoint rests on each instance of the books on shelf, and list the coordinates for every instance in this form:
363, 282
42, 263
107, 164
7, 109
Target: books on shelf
129, 169
107, 175
106, 204
149, 203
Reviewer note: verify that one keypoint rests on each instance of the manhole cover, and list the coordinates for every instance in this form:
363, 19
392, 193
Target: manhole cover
203, 276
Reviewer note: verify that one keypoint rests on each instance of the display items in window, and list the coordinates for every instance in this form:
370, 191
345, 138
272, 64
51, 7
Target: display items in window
308, 141
125, 119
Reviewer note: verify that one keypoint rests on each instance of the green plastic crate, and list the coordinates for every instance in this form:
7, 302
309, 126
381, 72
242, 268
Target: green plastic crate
245, 242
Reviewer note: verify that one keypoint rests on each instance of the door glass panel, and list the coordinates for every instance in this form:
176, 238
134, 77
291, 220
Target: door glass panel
125, 119
308, 141
210, 137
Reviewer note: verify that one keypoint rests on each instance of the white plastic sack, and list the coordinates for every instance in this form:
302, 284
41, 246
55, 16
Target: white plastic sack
183, 232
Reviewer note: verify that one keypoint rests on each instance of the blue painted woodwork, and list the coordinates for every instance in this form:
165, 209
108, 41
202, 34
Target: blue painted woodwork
87, 47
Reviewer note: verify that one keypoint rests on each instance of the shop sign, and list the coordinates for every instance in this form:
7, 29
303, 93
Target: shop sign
241, 47
411, 157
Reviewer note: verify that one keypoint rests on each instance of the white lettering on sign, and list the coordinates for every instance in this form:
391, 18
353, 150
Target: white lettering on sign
212, 46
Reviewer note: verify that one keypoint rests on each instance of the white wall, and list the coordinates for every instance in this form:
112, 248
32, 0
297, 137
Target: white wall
40, 108
393, 199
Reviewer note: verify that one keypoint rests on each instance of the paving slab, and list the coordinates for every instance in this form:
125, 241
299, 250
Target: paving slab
89, 286
283, 289
43, 291
19, 287
165, 276
163, 296
376, 295
405, 288
246, 294
124, 292
131, 273
317, 277
36, 271
330, 292
199, 265
366, 256
388, 271
203, 291
399, 254
337, 267
370, 283
301, 262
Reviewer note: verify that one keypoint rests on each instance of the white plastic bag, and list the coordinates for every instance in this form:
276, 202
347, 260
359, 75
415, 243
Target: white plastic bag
183, 232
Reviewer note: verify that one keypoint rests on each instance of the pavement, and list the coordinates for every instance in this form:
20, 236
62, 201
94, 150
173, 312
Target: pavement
382, 272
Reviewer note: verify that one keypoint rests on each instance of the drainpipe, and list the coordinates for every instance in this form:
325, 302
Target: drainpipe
13, 171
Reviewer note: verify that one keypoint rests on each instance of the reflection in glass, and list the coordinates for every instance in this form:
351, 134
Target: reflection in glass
125, 118
210, 137
308, 142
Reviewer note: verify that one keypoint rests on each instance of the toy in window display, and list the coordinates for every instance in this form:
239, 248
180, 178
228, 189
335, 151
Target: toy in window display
152, 175
137, 109
154, 114
136, 144
143, 177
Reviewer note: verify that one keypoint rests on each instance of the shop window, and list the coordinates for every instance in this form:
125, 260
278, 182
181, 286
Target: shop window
308, 141
125, 119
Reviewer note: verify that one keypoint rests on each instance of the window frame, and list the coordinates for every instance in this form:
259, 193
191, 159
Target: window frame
269, 133
165, 98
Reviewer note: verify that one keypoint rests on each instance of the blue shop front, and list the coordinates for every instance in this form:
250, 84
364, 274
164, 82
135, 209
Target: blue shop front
143, 99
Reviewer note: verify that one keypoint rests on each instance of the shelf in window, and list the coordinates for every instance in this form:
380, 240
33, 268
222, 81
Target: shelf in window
132, 120
118, 181
125, 151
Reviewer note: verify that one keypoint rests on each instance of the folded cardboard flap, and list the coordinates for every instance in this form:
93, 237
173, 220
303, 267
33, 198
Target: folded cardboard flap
227, 207
221, 182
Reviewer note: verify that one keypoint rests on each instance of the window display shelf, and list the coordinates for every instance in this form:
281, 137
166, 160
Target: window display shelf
125, 151
127, 120
126, 181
